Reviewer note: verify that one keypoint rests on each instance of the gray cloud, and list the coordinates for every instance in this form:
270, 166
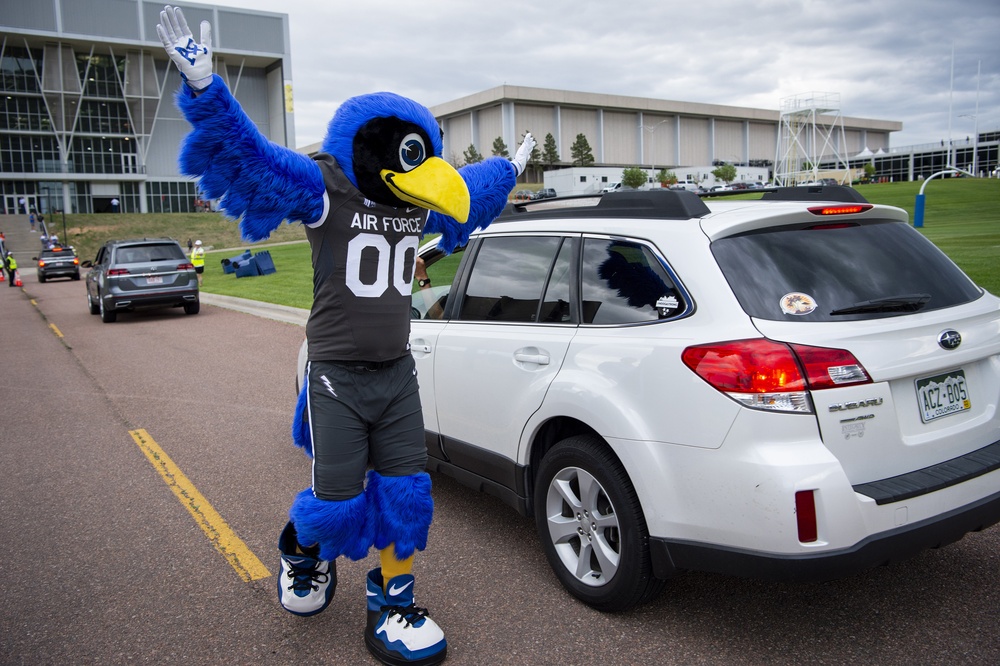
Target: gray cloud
887, 59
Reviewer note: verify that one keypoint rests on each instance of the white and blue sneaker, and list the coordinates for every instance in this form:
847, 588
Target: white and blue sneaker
306, 583
398, 632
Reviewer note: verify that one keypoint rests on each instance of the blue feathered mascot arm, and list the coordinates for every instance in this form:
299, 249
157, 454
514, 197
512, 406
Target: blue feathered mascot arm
489, 183
257, 180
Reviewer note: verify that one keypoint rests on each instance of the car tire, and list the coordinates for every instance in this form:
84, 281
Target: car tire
107, 316
596, 541
192, 308
76, 276
94, 307
41, 278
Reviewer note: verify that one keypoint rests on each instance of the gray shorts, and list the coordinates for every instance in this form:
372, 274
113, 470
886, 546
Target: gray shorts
360, 414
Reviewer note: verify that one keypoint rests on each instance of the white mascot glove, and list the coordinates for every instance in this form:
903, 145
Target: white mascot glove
193, 59
523, 153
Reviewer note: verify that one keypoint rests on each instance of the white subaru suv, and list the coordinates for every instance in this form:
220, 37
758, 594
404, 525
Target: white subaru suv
793, 388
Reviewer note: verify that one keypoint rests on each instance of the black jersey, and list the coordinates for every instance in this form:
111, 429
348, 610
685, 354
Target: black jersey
363, 255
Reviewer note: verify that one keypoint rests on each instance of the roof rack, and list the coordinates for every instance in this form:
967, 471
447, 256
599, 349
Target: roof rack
654, 204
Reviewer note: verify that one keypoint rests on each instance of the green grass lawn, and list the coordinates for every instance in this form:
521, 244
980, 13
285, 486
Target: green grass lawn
961, 216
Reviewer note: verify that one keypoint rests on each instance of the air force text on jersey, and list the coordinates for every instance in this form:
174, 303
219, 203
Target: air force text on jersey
369, 222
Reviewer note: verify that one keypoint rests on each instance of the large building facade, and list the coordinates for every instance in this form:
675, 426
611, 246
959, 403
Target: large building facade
635, 131
87, 113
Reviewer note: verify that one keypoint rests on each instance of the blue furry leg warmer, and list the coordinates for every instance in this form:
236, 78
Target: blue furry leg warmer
400, 510
340, 527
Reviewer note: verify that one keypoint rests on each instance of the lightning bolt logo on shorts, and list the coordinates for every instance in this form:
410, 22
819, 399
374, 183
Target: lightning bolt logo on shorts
329, 386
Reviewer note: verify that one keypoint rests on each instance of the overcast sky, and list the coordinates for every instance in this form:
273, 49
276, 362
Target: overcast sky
887, 59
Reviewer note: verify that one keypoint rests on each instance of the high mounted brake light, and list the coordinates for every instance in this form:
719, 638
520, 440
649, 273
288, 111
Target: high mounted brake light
840, 209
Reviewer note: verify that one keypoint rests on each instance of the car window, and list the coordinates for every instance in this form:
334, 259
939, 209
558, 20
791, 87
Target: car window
555, 305
131, 254
837, 272
625, 283
441, 268
507, 278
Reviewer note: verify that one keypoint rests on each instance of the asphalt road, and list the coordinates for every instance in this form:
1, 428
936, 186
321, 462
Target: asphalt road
100, 563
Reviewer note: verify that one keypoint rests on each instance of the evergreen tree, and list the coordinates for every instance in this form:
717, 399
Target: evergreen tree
550, 155
581, 152
534, 158
500, 148
472, 155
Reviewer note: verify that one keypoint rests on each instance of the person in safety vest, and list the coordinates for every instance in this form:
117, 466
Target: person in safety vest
11, 265
198, 259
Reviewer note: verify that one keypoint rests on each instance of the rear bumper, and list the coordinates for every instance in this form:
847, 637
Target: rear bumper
122, 301
671, 556
68, 271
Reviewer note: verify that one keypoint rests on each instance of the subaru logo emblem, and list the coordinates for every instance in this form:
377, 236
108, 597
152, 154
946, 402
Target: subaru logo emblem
950, 339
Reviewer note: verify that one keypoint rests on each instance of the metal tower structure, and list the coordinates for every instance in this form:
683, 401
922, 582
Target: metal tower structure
810, 131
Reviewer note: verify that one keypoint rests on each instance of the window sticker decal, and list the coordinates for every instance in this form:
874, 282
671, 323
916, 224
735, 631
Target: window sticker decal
797, 303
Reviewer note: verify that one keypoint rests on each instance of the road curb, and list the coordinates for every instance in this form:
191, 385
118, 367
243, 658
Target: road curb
297, 316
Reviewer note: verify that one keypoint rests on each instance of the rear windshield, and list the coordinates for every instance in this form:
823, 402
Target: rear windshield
64, 252
830, 272
131, 254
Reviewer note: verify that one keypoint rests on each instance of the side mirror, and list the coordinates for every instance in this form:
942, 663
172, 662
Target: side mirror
87, 264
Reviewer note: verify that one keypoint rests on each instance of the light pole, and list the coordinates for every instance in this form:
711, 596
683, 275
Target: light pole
975, 122
652, 130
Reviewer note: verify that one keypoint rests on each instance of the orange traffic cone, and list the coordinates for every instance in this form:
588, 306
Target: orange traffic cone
17, 278
2, 278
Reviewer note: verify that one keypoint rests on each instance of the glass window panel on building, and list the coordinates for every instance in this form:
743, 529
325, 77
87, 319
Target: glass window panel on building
101, 74
17, 69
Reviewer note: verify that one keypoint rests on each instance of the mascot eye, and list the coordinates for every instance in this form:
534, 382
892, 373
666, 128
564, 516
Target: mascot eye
411, 151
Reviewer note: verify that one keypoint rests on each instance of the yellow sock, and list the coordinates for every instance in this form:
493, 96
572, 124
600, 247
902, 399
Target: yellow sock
391, 566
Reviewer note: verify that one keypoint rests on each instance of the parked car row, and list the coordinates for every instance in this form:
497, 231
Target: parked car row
532, 195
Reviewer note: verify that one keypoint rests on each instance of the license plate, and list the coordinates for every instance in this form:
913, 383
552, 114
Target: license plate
154, 279
943, 395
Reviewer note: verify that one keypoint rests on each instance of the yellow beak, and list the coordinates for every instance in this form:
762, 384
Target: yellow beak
434, 184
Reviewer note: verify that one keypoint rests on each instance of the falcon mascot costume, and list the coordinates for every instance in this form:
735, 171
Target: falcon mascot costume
378, 185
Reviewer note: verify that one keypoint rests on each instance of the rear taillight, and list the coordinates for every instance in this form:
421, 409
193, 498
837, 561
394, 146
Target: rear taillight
41, 263
117, 271
830, 368
76, 261
769, 375
185, 267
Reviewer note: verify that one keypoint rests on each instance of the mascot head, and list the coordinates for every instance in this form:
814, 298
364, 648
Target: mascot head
390, 148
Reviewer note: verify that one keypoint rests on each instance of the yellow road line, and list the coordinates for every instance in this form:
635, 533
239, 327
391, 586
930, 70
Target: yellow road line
212, 524
56, 330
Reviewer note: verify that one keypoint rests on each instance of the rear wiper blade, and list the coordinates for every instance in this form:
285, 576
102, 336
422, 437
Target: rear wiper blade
903, 303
